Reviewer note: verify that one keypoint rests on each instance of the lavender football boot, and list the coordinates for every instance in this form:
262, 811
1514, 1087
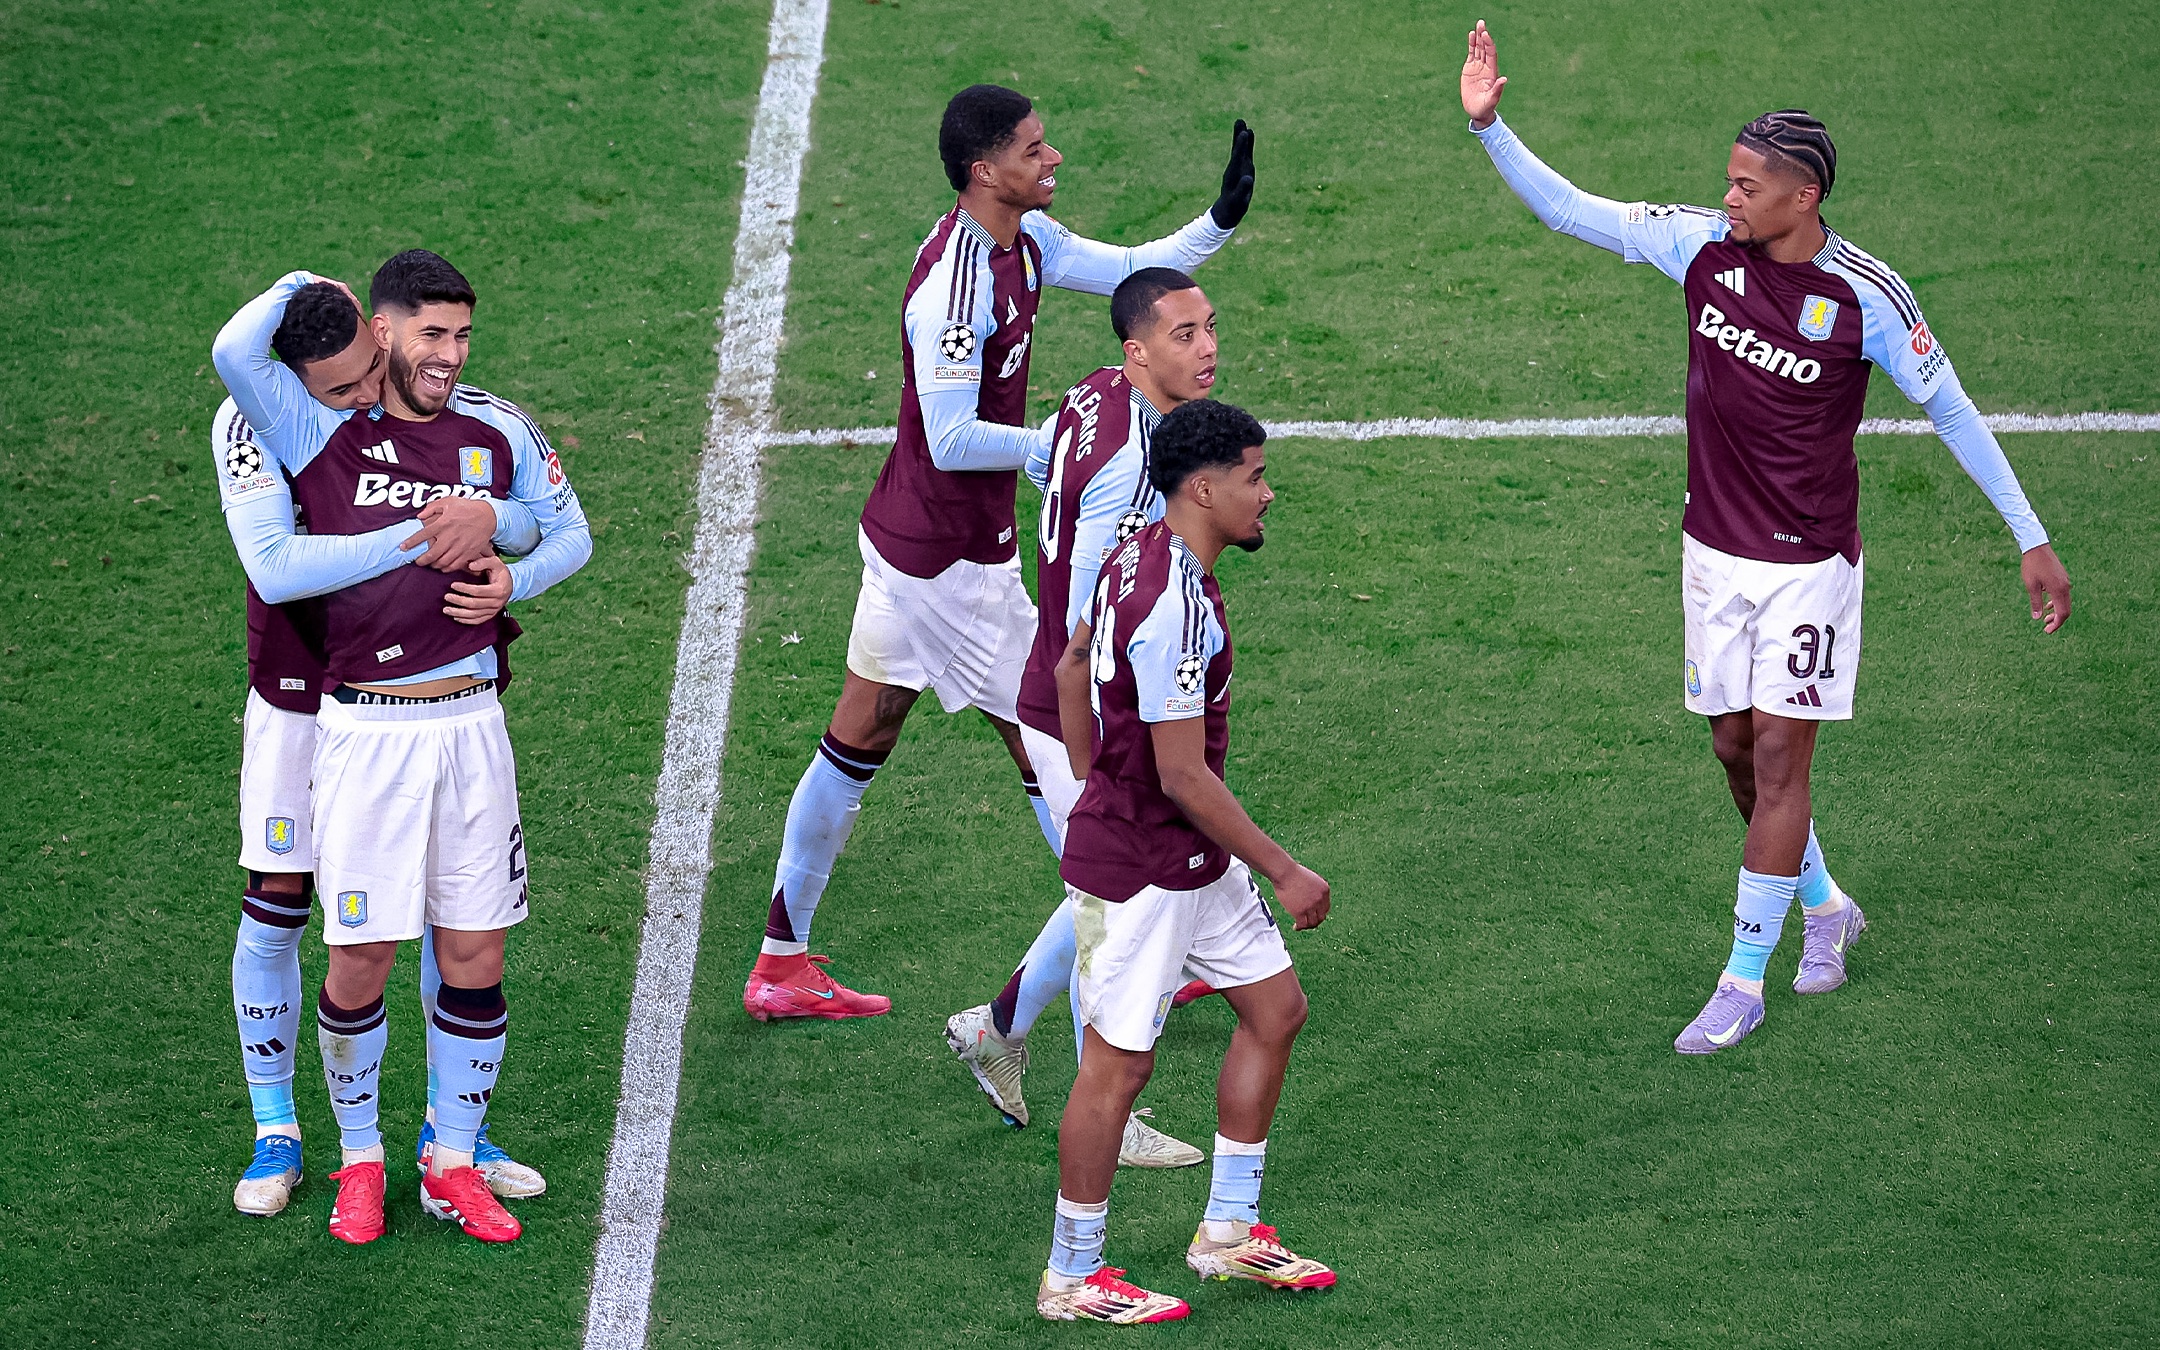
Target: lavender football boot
1725, 1021
1823, 947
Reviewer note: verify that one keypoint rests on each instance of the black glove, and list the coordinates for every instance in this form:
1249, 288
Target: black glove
1237, 180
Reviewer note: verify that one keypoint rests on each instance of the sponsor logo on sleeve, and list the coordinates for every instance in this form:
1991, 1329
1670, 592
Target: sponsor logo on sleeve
1930, 352
476, 466
957, 342
243, 459
278, 834
1191, 679
1818, 316
352, 908
556, 476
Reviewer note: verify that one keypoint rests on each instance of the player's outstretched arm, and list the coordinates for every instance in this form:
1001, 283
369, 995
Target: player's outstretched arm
1181, 760
1077, 264
281, 563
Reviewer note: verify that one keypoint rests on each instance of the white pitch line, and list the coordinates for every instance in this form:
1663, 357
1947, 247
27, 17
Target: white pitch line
689, 788
1476, 429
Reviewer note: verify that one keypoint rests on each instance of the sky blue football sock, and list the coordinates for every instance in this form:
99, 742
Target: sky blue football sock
1758, 919
266, 1001
353, 1040
820, 817
430, 985
1234, 1192
1043, 977
466, 1036
1816, 889
1043, 818
1076, 1240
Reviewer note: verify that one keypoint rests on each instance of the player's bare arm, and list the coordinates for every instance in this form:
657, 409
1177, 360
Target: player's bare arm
1181, 759
1482, 81
1076, 719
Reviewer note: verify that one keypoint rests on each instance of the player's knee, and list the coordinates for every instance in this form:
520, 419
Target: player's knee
1734, 745
1278, 1021
279, 883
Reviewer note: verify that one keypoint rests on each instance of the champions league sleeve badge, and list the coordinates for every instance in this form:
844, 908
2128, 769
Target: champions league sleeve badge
1817, 317
476, 466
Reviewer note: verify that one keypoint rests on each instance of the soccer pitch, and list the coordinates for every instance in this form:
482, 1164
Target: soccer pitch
1458, 692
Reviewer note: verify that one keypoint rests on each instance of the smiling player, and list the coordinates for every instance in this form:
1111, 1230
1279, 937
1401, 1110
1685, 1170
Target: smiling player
414, 785
942, 606
1786, 320
309, 349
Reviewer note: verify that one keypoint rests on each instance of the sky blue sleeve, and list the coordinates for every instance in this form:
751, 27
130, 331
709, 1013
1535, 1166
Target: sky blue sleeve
282, 563
539, 484
1073, 263
288, 421
1666, 237
1974, 446
1170, 654
948, 378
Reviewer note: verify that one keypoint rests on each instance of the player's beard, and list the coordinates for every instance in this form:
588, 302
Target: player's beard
404, 378
1252, 544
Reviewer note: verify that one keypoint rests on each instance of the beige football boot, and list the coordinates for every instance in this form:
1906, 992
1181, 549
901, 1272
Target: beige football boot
1256, 1255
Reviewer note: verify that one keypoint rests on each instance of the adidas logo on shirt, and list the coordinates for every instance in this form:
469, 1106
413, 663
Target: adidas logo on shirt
1733, 279
385, 452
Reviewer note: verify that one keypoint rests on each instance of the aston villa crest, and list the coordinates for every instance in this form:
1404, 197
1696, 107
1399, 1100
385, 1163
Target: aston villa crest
1818, 317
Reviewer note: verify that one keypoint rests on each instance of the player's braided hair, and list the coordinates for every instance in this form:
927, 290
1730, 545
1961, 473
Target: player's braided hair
417, 277
319, 321
1202, 434
1132, 304
1794, 136
978, 123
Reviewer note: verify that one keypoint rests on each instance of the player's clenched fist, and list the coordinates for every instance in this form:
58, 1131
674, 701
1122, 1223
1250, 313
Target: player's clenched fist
1305, 893
1481, 79
480, 601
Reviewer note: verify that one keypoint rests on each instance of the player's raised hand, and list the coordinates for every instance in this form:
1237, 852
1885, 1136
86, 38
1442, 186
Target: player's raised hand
1481, 79
1305, 894
480, 601
1237, 180
458, 531
2048, 583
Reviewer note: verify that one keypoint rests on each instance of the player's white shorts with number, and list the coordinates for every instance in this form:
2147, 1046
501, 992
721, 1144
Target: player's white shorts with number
1782, 637
1053, 773
964, 633
416, 819
1133, 957
277, 757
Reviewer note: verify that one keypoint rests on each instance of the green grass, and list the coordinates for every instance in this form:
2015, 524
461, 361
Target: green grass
166, 162
1485, 1130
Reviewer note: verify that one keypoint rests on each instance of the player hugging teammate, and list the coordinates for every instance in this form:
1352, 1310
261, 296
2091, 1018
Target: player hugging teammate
375, 762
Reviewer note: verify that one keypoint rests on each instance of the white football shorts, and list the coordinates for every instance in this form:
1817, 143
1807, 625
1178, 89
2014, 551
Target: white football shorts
1133, 957
1782, 637
964, 633
277, 756
416, 819
1053, 774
